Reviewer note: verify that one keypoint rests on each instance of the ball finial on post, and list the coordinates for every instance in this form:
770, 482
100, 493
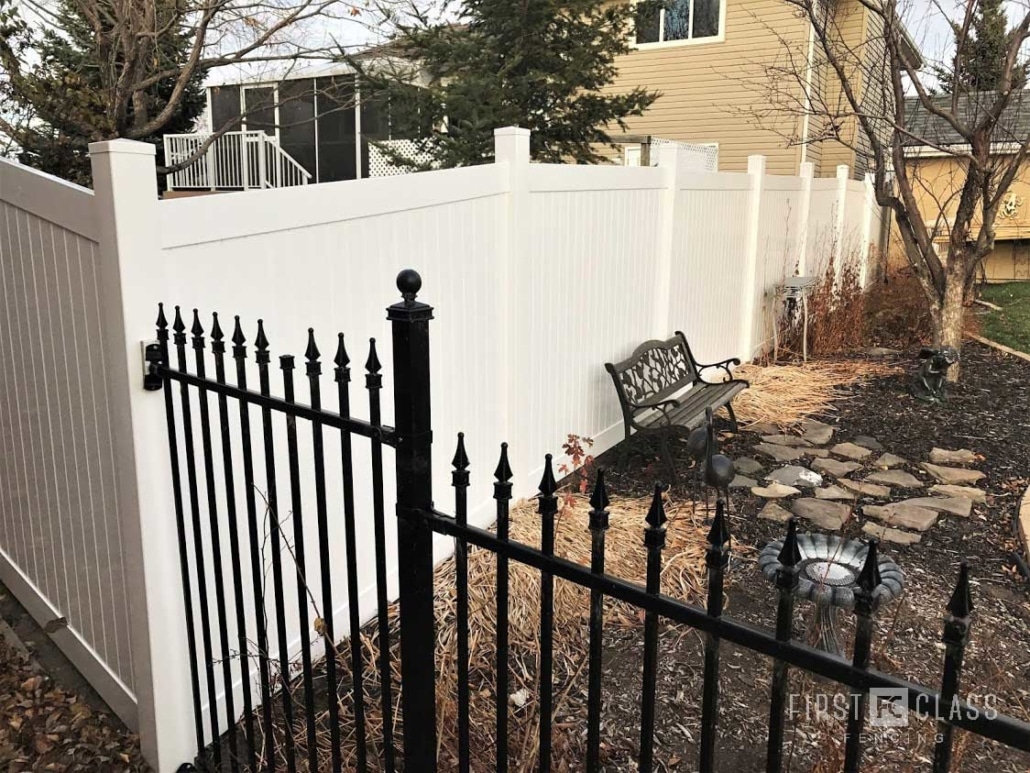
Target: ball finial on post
409, 283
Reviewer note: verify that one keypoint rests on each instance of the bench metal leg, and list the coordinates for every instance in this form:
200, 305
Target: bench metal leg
733, 417
667, 455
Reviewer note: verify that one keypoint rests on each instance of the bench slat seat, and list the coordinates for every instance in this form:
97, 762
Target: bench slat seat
690, 412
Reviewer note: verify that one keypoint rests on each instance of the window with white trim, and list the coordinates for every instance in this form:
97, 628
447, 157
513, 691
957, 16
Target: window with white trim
666, 21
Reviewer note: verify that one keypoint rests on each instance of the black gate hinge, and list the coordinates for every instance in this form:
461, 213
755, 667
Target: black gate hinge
152, 379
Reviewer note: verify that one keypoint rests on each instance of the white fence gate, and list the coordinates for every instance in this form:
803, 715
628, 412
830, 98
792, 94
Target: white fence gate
539, 274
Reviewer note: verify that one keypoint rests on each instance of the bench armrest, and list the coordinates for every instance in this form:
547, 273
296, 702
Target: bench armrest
724, 365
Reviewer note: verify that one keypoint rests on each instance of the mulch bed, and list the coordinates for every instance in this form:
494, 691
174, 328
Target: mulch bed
46, 728
986, 413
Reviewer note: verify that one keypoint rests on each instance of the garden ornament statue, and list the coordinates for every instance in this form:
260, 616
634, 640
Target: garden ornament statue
719, 471
928, 384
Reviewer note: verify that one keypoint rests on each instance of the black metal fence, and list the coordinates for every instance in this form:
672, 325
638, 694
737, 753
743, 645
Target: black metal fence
417, 522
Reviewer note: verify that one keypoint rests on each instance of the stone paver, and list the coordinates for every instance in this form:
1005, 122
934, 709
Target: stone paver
816, 432
887, 534
887, 461
959, 506
747, 466
821, 512
907, 516
762, 428
866, 489
953, 475
835, 467
779, 453
895, 478
775, 491
773, 512
819, 453
793, 475
785, 440
969, 492
943, 456
866, 441
742, 481
833, 492
850, 451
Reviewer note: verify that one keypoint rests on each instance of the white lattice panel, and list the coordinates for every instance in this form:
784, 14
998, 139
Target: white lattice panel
702, 157
379, 158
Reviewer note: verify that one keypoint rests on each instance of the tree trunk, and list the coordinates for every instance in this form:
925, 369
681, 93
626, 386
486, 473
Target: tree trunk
948, 318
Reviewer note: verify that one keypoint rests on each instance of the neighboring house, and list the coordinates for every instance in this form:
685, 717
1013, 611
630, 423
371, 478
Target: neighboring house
938, 171
308, 126
720, 67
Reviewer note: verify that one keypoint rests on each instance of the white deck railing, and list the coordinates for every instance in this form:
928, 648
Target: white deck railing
233, 161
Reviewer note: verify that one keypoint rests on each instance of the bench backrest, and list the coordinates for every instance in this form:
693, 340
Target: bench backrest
655, 370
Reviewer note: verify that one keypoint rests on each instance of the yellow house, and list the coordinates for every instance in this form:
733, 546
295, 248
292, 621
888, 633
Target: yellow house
739, 74
936, 166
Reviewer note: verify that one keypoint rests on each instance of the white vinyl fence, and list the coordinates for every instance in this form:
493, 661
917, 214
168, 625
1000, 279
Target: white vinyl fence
539, 274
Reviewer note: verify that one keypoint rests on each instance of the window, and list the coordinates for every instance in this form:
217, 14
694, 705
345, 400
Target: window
665, 21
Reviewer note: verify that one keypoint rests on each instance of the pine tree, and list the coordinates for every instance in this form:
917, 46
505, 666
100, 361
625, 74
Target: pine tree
65, 93
543, 65
981, 60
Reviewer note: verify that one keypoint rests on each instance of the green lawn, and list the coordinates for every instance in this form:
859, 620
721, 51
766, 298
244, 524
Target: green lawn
1011, 325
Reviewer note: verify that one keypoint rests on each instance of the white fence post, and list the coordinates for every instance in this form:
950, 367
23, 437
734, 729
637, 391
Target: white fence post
511, 147
130, 276
807, 175
669, 161
755, 168
867, 229
840, 215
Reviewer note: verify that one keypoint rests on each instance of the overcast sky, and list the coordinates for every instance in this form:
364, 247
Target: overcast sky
927, 21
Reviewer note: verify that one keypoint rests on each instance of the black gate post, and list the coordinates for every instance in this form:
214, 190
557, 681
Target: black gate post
414, 439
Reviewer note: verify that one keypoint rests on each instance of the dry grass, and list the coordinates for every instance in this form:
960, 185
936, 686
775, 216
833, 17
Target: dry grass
785, 394
683, 577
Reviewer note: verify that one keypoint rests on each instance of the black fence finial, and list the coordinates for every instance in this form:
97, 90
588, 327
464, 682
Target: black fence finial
503, 472
790, 554
961, 602
461, 459
409, 282
599, 498
311, 354
372, 364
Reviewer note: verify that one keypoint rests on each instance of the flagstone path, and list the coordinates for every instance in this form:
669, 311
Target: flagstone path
827, 485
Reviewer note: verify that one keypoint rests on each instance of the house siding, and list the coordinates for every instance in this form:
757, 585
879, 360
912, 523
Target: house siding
709, 89
715, 91
850, 25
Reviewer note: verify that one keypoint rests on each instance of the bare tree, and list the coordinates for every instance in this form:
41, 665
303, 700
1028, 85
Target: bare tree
876, 95
145, 57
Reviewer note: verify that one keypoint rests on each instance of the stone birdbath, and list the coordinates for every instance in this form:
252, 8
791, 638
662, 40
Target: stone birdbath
828, 575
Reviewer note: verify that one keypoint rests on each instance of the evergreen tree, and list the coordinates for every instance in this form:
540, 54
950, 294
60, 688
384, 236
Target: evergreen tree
981, 60
66, 93
543, 65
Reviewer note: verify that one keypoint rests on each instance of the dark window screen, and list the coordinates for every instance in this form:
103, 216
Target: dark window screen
296, 121
225, 107
259, 104
336, 130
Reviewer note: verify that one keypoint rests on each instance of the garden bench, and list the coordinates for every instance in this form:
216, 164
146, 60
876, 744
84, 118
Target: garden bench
662, 389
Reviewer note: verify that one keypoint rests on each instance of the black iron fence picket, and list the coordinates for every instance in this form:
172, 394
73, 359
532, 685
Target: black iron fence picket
417, 523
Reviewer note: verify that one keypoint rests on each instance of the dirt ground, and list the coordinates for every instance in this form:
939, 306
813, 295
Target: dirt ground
50, 719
